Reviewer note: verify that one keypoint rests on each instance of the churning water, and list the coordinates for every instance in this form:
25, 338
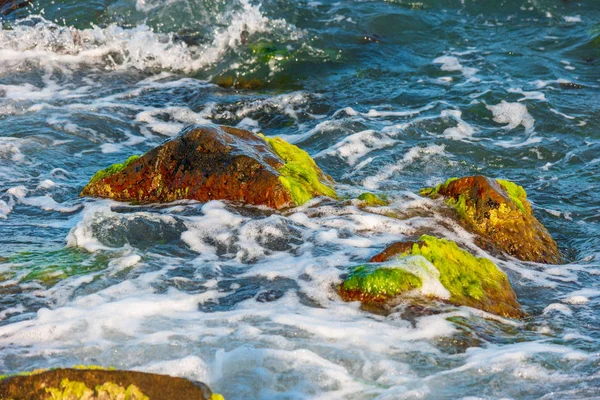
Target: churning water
388, 96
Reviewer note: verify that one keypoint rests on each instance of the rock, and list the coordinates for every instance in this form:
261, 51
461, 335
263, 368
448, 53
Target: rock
8, 6
372, 200
100, 384
216, 163
465, 280
499, 212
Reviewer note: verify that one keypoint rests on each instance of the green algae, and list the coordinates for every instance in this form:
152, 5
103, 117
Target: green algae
372, 200
39, 371
379, 283
110, 390
70, 390
113, 169
461, 273
517, 194
434, 191
75, 390
300, 175
50, 267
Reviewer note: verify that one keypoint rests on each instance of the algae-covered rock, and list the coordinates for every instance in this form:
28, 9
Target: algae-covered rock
216, 163
100, 384
369, 284
498, 210
468, 280
372, 200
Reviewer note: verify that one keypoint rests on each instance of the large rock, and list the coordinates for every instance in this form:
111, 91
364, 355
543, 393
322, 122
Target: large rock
499, 212
100, 384
216, 163
465, 280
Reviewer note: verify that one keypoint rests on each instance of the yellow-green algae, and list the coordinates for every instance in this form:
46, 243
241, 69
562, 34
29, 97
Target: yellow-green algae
372, 200
470, 281
74, 390
379, 283
113, 169
41, 370
463, 274
434, 191
300, 175
516, 193
50, 267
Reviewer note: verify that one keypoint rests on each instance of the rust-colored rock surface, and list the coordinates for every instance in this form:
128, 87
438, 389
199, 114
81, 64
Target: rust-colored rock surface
499, 212
202, 163
101, 384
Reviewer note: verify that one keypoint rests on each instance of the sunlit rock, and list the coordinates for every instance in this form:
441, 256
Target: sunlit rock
216, 163
457, 277
499, 212
96, 383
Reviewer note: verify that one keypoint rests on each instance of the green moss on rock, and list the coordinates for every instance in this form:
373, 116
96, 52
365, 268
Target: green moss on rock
470, 281
300, 175
113, 169
50, 267
75, 390
464, 275
433, 192
516, 193
372, 200
499, 212
368, 283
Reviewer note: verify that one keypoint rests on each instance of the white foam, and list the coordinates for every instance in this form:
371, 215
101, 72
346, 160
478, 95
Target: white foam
118, 48
10, 150
572, 19
461, 131
356, 146
512, 114
427, 272
415, 153
450, 63
561, 308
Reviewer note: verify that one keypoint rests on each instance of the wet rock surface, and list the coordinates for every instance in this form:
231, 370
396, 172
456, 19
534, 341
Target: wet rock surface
8, 6
216, 163
92, 384
469, 280
499, 212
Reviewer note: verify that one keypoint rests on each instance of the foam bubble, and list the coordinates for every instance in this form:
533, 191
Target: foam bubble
450, 63
512, 114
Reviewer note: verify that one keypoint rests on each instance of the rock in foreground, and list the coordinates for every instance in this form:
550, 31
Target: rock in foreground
499, 212
99, 384
216, 163
466, 280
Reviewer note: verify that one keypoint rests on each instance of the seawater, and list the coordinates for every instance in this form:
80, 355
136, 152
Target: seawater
388, 96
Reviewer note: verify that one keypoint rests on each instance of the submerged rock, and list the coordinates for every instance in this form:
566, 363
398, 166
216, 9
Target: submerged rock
372, 200
498, 210
216, 163
8, 6
101, 384
467, 280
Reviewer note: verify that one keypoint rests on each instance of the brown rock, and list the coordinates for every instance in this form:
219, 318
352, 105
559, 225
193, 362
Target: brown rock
101, 384
201, 163
499, 212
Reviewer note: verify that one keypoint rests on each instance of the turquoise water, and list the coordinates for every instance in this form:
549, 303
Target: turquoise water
388, 97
